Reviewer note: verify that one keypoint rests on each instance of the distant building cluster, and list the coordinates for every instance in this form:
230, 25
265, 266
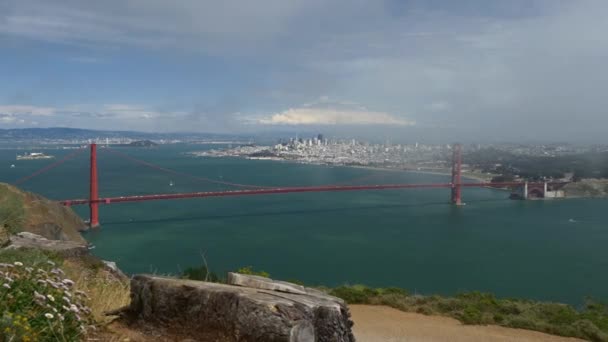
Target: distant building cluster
320, 150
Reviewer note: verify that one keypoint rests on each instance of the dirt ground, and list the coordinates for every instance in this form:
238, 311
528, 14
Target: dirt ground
372, 324
381, 323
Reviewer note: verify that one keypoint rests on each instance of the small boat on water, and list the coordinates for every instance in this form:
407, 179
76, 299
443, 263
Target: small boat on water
33, 156
171, 183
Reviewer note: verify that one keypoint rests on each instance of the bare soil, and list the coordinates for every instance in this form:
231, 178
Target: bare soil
380, 323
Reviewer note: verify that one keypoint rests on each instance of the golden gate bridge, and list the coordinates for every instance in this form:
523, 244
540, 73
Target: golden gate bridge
456, 185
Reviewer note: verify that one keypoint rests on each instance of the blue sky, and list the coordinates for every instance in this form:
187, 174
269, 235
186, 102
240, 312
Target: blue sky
503, 70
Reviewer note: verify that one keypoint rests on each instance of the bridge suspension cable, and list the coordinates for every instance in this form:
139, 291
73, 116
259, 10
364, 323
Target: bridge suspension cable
179, 173
50, 166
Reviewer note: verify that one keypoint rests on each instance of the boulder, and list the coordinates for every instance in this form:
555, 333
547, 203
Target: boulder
113, 268
30, 240
252, 311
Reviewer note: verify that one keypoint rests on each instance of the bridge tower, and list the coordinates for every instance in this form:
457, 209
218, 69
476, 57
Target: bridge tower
456, 174
94, 190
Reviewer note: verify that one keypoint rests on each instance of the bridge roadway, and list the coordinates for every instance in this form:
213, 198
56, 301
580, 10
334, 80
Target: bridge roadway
284, 190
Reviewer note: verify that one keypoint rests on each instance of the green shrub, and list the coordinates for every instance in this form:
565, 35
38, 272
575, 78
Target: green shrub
483, 308
558, 314
471, 315
588, 330
30, 256
249, 270
357, 294
498, 318
394, 291
200, 273
597, 313
39, 304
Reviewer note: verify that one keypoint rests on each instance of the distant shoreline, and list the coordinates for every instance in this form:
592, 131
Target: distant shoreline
366, 167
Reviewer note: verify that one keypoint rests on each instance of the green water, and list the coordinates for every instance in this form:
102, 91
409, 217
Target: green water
550, 250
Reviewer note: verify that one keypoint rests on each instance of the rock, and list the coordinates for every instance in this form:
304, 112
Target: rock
113, 268
263, 283
220, 312
30, 240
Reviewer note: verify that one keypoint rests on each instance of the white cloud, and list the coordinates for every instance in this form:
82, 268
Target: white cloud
125, 111
328, 116
16, 110
106, 116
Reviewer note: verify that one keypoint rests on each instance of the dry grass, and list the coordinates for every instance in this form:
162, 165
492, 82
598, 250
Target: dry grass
106, 290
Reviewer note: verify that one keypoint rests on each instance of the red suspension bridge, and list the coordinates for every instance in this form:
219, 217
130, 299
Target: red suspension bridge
456, 185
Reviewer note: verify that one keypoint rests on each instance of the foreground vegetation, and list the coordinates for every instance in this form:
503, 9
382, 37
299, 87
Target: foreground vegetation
92, 290
590, 323
44, 297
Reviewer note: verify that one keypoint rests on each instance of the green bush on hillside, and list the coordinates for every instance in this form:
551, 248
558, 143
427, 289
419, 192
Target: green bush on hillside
200, 273
249, 270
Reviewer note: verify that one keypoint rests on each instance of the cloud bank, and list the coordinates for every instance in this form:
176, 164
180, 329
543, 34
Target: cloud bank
321, 116
507, 70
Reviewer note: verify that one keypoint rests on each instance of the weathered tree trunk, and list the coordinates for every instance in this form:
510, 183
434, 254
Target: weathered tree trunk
264, 310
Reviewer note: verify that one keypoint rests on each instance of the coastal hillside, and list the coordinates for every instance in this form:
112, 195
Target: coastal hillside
587, 188
22, 211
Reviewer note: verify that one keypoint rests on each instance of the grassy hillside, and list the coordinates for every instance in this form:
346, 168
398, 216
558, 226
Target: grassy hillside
25, 211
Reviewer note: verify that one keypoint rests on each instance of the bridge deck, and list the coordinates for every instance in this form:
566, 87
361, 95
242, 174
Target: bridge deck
284, 190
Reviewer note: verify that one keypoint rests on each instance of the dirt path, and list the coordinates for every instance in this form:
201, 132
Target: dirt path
381, 323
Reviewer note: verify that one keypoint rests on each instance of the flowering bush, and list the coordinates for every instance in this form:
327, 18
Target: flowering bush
40, 304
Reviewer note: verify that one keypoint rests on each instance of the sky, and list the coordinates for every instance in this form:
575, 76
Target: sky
480, 70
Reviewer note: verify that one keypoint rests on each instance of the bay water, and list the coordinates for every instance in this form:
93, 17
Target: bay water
549, 250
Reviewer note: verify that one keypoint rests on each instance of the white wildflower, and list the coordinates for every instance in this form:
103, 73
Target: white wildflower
68, 282
74, 308
39, 296
48, 315
66, 299
18, 263
6, 286
9, 279
57, 271
50, 263
50, 297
